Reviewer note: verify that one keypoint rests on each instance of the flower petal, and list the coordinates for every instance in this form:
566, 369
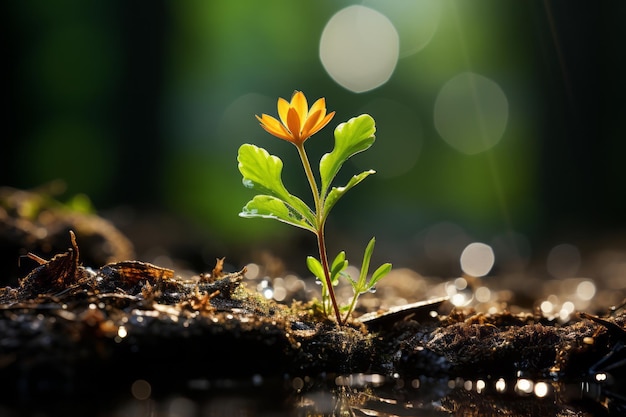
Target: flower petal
320, 104
297, 122
274, 127
309, 128
324, 122
283, 108
293, 124
298, 102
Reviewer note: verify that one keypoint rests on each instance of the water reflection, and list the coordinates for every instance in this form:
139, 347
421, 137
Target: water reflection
346, 395
392, 396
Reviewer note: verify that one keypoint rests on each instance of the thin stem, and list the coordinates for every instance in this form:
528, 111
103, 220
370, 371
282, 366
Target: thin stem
352, 304
320, 220
322, 246
309, 175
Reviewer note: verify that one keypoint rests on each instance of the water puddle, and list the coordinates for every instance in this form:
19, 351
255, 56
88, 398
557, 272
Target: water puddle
343, 395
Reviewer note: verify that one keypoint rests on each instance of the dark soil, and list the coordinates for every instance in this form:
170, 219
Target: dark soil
70, 330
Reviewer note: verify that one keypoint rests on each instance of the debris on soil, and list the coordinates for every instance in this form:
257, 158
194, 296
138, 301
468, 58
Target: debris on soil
65, 322
69, 329
34, 221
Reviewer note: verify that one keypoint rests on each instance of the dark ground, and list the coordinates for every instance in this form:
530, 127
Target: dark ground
64, 323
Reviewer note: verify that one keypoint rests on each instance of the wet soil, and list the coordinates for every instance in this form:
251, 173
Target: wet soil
70, 330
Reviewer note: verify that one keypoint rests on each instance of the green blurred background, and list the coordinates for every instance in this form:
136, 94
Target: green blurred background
497, 121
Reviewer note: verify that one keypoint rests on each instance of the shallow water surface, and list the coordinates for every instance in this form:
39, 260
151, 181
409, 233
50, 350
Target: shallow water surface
341, 395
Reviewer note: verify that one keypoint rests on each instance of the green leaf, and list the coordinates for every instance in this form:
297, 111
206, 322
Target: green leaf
365, 266
338, 261
269, 207
380, 272
351, 137
337, 192
339, 264
316, 268
263, 172
345, 308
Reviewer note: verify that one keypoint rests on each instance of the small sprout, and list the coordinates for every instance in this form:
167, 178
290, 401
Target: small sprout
363, 286
262, 171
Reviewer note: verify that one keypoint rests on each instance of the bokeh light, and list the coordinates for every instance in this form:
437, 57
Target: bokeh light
149, 118
141, 389
232, 124
524, 386
477, 259
586, 290
415, 20
482, 294
359, 48
500, 385
459, 292
542, 389
471, 113
563, 261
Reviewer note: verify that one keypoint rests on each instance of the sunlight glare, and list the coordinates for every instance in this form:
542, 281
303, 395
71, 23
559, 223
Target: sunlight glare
566, 311
501, 385
482, 294
252, 271
586, 290
477, 259
471, 113
480, 386
415, 20
546, 307
524, 386
359, 48
541, 389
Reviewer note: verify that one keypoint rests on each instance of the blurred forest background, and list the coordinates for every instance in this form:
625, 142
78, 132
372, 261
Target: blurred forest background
500, 122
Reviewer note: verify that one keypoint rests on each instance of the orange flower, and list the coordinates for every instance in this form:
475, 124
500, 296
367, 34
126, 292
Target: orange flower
297, 122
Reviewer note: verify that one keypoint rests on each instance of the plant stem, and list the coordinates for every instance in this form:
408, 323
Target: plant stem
352, 304
324, 259
320, 220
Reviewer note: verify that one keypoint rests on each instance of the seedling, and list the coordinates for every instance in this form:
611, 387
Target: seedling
263, 172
